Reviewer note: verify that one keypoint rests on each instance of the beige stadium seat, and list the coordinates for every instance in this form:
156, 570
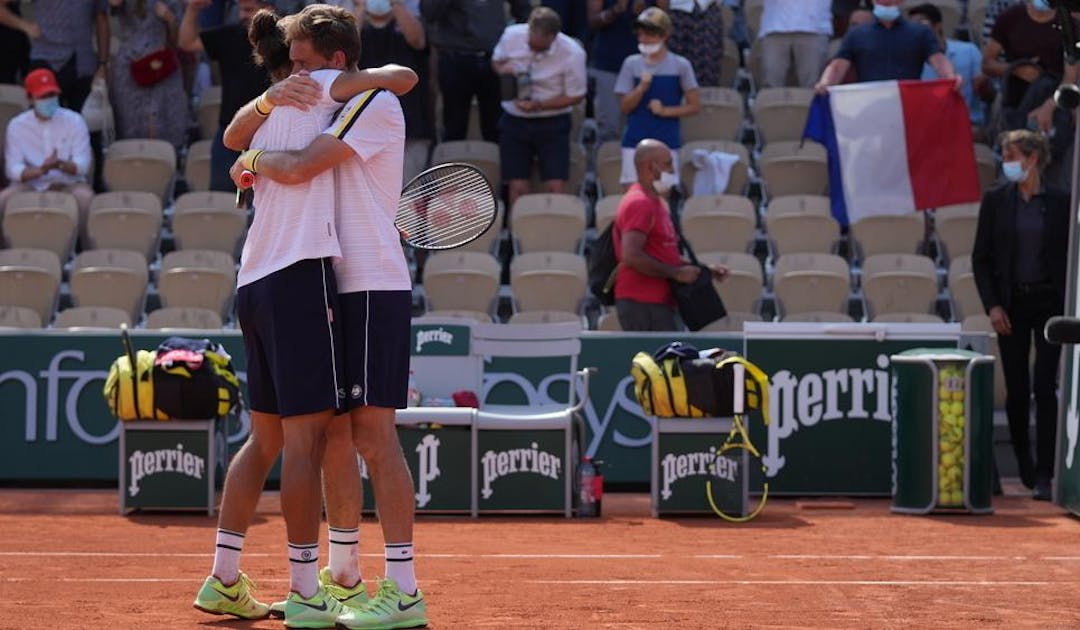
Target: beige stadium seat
889, 234
578, 166
483, 155
741, 289
955, 229
143, 164
908, 318
19, 317
209, 111
780, 113
732, 322
811, 282
209, 220
486, 243
721, 115
176, 317
986, 165
548, 281
13, 101
545, 317
609, 167
548, 223
42, 220
30, 278
963, 293
115, 278
197, 165
719, 223
794, 168
609, 322
729, 63
126, 220
740, 172
476, 316
976, 16
196, 277
899, 283
820, 317
801, 223
606, 209
951, 13
91, 317
753, 10
461, 280
981, 323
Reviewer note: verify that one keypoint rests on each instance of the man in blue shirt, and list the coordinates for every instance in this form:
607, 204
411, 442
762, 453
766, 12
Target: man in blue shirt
890, 48
965, 58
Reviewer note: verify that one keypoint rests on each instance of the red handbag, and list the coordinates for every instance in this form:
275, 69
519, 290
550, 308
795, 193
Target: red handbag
155, 67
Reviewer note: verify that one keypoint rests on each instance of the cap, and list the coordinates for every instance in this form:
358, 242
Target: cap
41, 82
654, 19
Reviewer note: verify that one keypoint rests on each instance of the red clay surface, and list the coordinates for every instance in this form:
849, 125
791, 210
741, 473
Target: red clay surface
68, 560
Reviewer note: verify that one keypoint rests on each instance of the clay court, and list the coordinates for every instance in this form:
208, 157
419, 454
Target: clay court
67, 560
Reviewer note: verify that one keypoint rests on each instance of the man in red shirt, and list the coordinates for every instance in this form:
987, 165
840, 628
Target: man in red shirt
647, 246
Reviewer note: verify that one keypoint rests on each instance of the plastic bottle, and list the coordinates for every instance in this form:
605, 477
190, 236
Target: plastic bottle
412, 396
524, 86
588, 503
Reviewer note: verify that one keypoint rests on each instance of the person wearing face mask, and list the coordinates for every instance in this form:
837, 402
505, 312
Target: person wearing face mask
656, 88
1020, 259
647, 245
47, 147
889, 48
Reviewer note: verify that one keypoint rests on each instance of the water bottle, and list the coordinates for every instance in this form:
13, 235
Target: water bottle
412, 395
524, 86
588, 501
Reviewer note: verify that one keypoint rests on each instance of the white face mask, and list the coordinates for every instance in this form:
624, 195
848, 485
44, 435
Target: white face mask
649, 49
666, 182
378, 7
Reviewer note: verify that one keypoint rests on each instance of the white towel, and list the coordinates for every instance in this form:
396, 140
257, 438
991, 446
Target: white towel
688, 5
713, 171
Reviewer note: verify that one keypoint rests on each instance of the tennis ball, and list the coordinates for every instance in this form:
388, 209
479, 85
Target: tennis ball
948, 459
956, 498
958, 395
957, 408
943, 393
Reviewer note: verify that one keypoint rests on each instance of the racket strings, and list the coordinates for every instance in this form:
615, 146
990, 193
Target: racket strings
446, 208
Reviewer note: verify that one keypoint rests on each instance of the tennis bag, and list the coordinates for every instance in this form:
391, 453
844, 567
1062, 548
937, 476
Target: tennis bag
676, 381
660, 383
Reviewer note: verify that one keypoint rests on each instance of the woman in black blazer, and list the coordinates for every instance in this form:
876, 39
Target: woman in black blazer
1020, 259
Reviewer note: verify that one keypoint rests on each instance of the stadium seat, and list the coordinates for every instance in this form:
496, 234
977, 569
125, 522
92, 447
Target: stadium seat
209, 111
461, 280
209, 220
753, 10
899, 283
42, 220
806, 282
544, 317
483, 155
794, 168
888, 234
13, 101
197, 165
980, 322
820, 317
606, 209
548, 281
143, 164
486, 243
955, 229
740, 172
729, 63
908, 318
196, 277
719, 223
126, 220
780, 113
30, 278
19, 317
721, 116
91, 317
115, 278
176, 317
732, 322
986, 165
609, 322
578, 167
609, 167
548, 222
801, 223
963, 293
476, 316
741, 289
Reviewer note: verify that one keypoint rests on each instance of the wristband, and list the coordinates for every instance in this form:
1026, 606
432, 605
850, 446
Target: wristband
250, 158
262, 106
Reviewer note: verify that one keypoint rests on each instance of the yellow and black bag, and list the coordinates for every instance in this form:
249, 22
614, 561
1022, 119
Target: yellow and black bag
129, 391
660, 383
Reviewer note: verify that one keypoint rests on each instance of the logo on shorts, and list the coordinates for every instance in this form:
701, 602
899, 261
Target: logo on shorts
438, 335
356, 391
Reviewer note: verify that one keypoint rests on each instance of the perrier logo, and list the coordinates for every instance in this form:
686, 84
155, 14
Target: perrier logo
437, 335
518, 460
171, 460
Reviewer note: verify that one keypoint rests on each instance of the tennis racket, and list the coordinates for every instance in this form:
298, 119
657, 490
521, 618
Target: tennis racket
445, 206
243, 192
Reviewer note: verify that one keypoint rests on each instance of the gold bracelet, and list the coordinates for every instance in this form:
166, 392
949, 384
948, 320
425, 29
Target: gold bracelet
250, 158
262, 99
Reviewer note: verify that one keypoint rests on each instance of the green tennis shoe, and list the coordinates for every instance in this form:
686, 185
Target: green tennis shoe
388, 610
237, 600
320, 610
354, 597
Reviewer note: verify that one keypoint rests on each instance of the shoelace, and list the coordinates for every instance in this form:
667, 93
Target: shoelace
383, 599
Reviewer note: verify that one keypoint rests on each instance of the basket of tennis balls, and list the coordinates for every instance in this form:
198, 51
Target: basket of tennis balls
951, 418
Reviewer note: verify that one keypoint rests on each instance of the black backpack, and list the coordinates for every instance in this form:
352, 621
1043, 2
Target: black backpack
602, 266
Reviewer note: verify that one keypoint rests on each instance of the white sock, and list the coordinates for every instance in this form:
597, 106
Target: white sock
227, 556
345, 556
304, 569
399, 566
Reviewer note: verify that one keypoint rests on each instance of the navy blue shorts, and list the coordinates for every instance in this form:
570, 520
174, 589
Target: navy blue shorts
376, 325
546, 139
292, 339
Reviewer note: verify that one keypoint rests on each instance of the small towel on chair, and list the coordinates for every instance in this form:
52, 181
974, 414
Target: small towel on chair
713, 171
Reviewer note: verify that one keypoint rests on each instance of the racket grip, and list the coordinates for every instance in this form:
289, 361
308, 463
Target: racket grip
247, 179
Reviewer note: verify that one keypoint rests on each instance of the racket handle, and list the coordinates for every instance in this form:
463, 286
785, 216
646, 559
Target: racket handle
247, 179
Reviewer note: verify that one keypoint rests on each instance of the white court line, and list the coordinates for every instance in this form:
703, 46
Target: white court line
801, 582
890, 557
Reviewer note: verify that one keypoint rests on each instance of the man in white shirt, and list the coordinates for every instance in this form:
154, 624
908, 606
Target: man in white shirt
47, 147
549, 68
794, 32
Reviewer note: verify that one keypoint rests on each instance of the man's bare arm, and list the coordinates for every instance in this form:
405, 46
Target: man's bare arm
397, 79
294, 167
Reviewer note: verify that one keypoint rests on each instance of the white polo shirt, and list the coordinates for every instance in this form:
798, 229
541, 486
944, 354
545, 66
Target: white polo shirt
292, 223
368, 188
31, 140
558, 71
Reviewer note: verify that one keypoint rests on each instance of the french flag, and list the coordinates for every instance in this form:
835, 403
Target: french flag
894, 147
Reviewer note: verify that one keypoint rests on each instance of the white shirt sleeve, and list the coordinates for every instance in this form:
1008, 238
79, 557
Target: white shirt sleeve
14, 158
576, 80
81, 153
369, 122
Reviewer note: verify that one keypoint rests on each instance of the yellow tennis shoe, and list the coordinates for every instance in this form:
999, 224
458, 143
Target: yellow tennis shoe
237, 600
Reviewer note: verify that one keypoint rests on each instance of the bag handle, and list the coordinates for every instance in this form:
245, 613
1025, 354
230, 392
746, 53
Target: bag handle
125, 339
683, 243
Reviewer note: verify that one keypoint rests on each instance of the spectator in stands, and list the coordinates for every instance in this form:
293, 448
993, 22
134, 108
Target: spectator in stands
993, 10
655, 88
464, 32
794, 32
647, 245
550, 76
862, 14
67, 47
843, 12
1032, 68
966, 61
1020, 258
47, 147
241, 79
888, 49
697, 34
392, 33
572, 13
158, 110
15, 35
611, 23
